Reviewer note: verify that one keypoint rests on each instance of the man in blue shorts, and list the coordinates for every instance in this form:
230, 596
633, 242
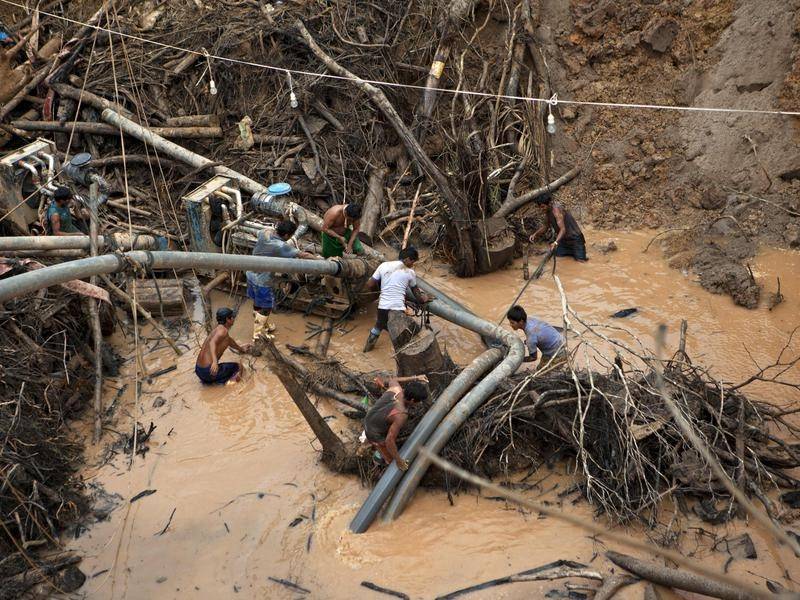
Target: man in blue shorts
208, 368
260, 285
539, 336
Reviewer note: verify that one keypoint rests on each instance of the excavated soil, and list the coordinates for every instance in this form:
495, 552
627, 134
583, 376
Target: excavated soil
725, 179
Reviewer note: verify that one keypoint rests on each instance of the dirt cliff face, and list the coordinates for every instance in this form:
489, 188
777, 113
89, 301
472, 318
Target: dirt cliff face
721, 179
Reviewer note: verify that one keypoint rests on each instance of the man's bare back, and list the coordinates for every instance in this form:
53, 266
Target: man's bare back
222, 340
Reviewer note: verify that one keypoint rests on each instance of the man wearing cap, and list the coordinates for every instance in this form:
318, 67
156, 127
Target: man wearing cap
340, 230
259, 285
208, 368
569, 240
59, 218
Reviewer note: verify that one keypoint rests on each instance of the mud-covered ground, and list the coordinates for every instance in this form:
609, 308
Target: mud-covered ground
724, 181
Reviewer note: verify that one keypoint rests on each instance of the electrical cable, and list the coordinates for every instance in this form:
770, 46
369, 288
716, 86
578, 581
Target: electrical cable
549, 101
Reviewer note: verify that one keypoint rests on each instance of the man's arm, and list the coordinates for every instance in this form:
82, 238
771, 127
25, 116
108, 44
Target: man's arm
422, 297
393, 383
531, 342
353, 236
307, 255
562, 228
391, 440
212, 346
237, 347
538, 232
373, 284
55, 225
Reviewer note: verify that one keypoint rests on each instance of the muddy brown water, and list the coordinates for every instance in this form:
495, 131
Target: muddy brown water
238, 465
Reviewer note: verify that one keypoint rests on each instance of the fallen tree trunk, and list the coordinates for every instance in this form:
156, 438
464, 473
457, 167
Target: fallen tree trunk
16, 585
334, 452
372, 203
559, 569
30, 86
455, 15
457, 215
103, 129
612, 584
681, 580
193, 121
324, 339
512, 204
318, 388
417, 352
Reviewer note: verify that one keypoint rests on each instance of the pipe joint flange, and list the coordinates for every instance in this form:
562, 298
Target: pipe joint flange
352, 268
340, 268
129, 264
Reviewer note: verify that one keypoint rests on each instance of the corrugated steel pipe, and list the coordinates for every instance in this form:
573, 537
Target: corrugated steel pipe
392, 475
25, 283
458, 415
75, 242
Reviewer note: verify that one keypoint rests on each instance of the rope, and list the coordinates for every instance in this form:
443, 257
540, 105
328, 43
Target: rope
549, 101
536, 275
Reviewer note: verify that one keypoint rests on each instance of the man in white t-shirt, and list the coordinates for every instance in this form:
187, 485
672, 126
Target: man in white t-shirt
394, 278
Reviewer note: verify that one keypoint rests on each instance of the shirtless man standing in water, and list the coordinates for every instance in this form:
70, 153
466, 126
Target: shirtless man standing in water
208, 368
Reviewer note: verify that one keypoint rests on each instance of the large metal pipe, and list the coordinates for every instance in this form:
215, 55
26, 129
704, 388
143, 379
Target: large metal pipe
25, 283
443, 307
75, 242
392, 475
458, 415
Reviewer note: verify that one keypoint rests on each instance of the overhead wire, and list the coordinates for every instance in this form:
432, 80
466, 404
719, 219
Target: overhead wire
550, 101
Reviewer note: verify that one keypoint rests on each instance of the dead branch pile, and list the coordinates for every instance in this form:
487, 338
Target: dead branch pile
627, 452
464, 158
44, 381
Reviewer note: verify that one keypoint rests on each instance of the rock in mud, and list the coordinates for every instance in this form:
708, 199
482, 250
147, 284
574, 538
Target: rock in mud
791, 499
740, 546
792, 237
660, 34
605, 247
720, 275
103, 503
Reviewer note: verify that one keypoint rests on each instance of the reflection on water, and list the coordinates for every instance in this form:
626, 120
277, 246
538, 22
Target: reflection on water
241, 469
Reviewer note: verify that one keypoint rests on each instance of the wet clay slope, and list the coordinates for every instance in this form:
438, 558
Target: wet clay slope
238, 476
684, 171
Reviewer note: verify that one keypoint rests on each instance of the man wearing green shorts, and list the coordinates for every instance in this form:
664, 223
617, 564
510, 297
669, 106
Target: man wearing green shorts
340, 230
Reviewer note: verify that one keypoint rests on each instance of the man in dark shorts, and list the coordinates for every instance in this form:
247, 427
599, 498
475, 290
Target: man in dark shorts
260, 285
393, 278
569, 240
387, 416
208, 368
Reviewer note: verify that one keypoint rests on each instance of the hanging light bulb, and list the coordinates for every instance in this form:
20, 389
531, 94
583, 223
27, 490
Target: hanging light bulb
212, 87
551, 124
292, 97
551, 120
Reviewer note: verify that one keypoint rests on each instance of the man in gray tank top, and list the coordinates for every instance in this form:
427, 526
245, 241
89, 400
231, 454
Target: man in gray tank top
569, 240
386, 417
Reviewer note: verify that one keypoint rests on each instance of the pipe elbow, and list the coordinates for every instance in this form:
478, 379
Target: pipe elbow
300, 218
